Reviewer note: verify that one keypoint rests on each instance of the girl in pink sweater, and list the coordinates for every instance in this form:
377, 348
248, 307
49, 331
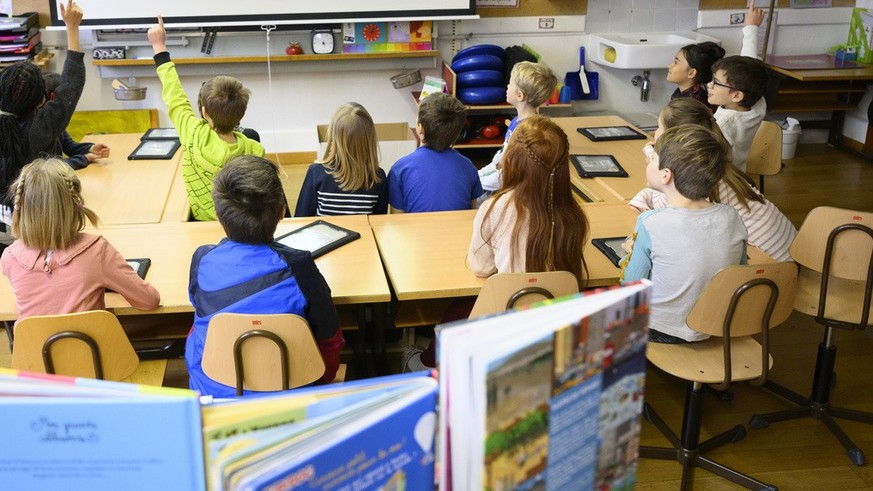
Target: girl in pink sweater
53, 267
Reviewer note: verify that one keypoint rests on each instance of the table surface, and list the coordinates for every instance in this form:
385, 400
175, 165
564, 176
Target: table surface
425, 253
862, 72
125, 191
628, 153
353, 271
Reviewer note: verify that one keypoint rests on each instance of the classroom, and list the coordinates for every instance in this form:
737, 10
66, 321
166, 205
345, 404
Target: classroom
392, 276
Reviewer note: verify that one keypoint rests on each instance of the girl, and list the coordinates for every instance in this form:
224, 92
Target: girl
531, 224
29, 126
53, 267
769, 230
348, 180
691, 70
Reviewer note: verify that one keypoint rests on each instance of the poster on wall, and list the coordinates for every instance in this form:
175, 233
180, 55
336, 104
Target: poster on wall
497, 3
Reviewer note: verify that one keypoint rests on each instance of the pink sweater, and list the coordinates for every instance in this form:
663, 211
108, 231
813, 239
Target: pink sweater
74, 279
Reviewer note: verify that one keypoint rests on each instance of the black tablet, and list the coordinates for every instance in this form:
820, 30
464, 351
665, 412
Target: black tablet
140, 265
610, 133
319, 238
155, 150
597, 166
160, 134
611, 248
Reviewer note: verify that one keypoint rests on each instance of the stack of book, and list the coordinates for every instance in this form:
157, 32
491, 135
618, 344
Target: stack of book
19, 38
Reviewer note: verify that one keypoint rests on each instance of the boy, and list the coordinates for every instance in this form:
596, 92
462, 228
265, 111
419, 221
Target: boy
682, 246
530, 86
435, 177
79, 154
249, 273
209, 141
737, 87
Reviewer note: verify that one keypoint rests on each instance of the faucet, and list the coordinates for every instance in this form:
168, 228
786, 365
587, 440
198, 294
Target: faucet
644, 84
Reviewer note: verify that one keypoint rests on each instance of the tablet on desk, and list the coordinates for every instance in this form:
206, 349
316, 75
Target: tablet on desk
155, 150
319, 238
597, 166
611, 248
611, 133
160, 134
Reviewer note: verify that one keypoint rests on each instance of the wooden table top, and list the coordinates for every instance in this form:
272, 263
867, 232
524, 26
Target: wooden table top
125, 191
628, 153
425, 253
861, 72
354, 271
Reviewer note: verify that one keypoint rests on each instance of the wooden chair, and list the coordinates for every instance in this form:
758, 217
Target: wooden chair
765, 154
738, 303
834, 248
111, 121
505, 291
85, 344
262, 352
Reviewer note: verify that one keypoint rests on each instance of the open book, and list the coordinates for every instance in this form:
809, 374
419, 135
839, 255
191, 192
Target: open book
549, 397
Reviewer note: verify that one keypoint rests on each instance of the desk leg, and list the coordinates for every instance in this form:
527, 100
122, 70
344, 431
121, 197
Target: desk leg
380, 325
359, 344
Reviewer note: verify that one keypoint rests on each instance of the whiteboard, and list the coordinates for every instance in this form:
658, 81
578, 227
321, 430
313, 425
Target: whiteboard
107, 14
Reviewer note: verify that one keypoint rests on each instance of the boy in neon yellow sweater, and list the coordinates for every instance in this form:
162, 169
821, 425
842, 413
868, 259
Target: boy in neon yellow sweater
209, 141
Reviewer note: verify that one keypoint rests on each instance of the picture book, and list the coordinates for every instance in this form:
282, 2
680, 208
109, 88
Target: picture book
73, 433
546, 397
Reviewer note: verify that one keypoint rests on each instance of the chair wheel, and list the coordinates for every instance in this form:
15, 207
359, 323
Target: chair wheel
647, 412
758, 422
856, 456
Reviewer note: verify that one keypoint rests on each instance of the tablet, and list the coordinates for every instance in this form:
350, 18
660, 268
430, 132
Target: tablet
160, 134
155, 150
597, 166
611, 248
610, 133
319, 238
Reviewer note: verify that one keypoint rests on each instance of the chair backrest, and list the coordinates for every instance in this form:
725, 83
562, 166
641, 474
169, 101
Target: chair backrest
765, 154
261, 357
111, 121
504, 291
851, 250
750, 289
70, 354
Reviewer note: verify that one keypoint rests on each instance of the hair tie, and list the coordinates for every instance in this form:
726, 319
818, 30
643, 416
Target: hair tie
6, 113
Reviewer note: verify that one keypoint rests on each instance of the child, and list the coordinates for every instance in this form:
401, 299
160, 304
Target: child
209, 141
682, 246
249, 273
532, 224
530, 86
348, 180
769, 230
29, 128
435, 177
53, 267
79, 155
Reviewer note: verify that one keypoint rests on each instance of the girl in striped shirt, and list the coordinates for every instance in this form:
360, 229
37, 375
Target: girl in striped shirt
347, 180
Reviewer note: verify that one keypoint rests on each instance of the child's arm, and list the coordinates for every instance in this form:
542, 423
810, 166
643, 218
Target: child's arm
178, 106
638, 264
307, 200
396, 197
120, 277
754, 17
480, 255
321, 315
381, 207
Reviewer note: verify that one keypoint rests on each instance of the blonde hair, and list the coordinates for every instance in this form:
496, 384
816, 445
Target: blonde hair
351, 156
48, 209
535, 80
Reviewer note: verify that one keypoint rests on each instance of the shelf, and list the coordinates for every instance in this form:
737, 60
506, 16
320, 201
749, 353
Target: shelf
41, 60
204, 60
503, 106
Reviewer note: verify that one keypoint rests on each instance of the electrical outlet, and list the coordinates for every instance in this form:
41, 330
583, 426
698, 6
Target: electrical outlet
738, 19
547, 22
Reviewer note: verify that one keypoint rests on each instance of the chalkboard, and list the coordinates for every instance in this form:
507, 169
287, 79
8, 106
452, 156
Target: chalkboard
108, 14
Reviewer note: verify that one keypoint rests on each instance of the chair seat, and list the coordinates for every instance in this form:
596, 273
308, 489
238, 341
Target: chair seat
148, 373
843, 302
703, 361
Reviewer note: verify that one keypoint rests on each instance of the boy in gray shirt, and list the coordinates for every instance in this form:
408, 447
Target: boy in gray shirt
682, 246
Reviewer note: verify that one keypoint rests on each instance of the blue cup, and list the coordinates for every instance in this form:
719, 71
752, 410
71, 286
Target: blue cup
565, 96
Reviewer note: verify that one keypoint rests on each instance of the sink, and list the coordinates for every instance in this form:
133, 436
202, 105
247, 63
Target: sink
643, 50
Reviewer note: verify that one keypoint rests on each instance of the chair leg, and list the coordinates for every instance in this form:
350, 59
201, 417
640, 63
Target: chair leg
818, 405
687, 450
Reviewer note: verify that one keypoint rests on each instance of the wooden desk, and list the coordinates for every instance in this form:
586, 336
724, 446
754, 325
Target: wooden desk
834, 90
125, 191
628, 153
354, 271
425, 253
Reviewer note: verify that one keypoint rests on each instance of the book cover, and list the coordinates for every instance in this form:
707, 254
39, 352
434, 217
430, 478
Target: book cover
546, 398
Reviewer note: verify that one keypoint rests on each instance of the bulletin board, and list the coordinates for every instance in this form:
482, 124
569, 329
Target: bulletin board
537, 7
742, 4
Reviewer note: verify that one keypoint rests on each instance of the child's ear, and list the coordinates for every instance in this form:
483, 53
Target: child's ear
692, 74
737, 96
666, 176
420, 130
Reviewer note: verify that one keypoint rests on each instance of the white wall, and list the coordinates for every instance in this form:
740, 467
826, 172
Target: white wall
286, 115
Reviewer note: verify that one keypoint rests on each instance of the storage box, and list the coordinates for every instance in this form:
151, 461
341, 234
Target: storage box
395, 141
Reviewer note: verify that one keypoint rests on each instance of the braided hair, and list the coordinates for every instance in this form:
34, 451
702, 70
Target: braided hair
22, 89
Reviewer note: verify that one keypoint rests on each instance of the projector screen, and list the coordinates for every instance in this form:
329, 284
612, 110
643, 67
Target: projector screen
110, 14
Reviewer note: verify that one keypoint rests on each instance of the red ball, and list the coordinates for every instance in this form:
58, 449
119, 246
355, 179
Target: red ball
491, 131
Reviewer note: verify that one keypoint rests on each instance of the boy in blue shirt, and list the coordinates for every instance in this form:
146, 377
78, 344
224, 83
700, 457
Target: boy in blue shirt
435, 177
